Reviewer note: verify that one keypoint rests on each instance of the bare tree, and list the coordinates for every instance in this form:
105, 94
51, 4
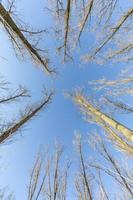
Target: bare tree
119, 106
82, 182
102, 14
63, 11
120, 23
48, 179
8, 129
17, 35
118, 133
68, 10
103, 166
121, 174
11, 128
85, 18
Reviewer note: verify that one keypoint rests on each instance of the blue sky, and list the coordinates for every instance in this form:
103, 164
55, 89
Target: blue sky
60, 119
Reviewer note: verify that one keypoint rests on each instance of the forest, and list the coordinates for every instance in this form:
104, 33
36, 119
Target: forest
66, 87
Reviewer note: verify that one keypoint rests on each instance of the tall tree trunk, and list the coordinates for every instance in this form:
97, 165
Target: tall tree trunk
91, 110
9, 23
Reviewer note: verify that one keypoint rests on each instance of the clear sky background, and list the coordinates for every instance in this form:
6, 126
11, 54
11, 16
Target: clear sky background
60, 119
